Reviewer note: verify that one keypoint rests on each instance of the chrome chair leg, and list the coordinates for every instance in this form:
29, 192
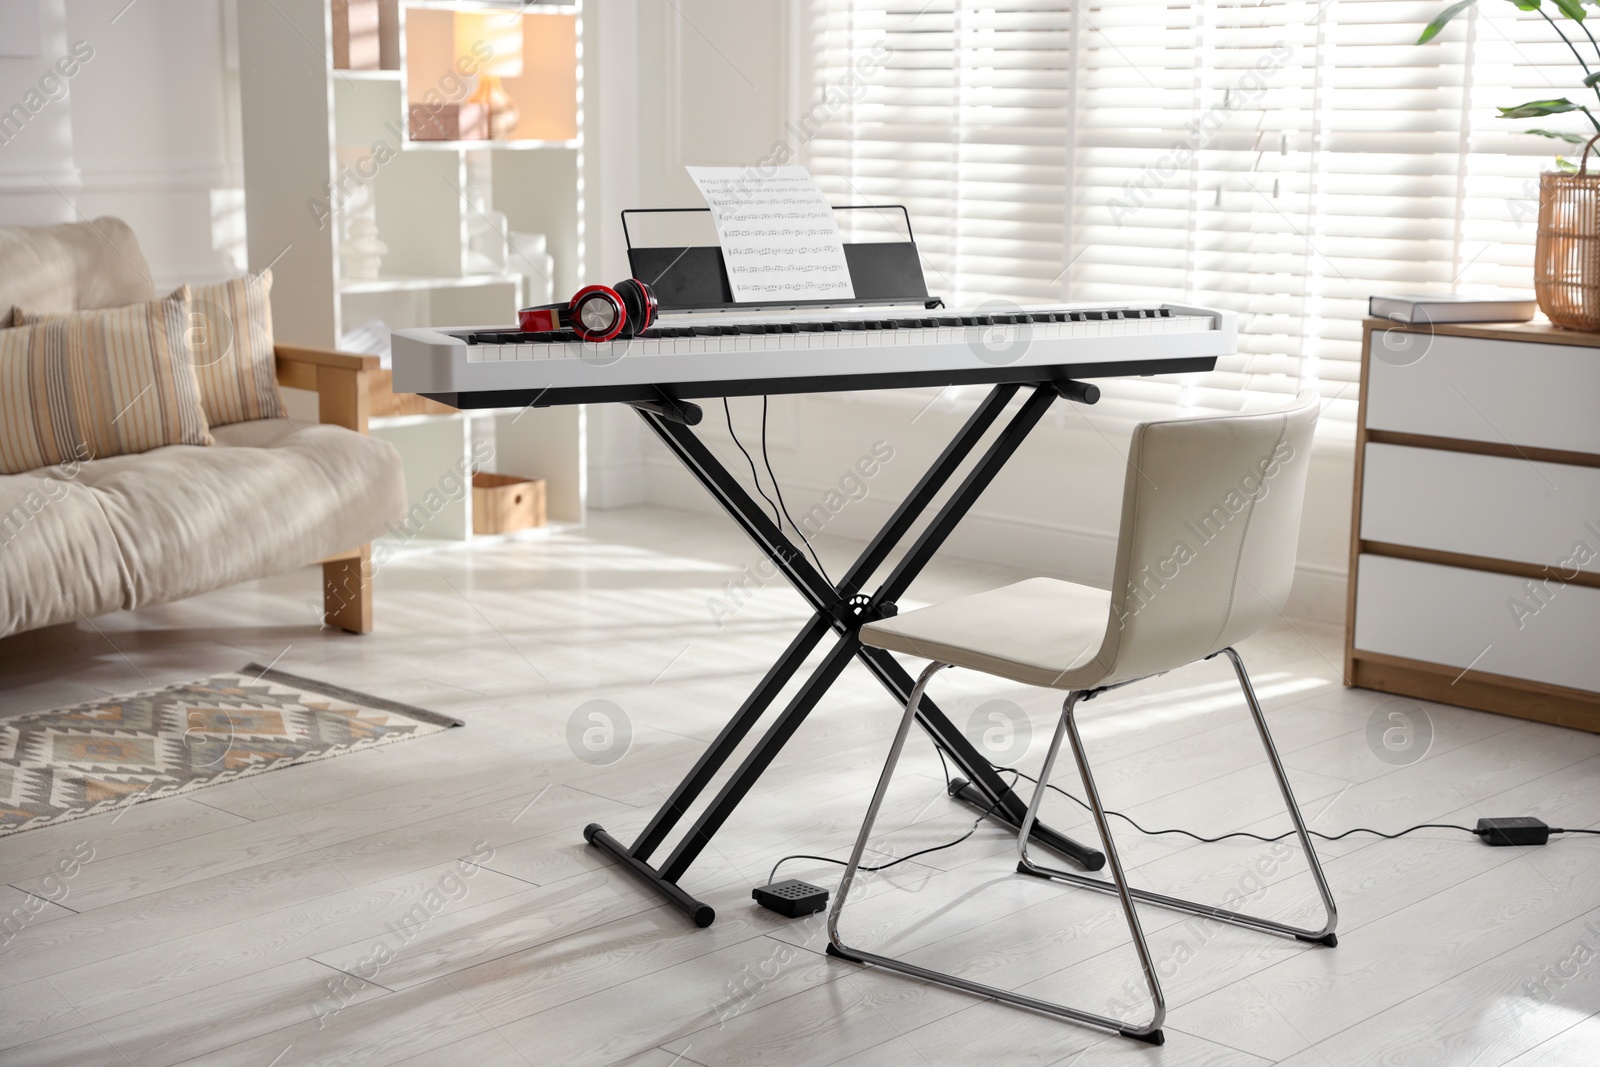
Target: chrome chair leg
1324, 936
1150, 1034
877, 802
1068, 724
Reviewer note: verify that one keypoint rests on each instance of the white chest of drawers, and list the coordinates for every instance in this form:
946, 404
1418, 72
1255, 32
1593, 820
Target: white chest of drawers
1475, 545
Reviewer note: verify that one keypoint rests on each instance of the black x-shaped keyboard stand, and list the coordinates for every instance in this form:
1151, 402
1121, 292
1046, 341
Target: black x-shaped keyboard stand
842, 611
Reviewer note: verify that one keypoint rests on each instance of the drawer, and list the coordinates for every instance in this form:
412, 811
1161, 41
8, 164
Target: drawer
1474, 389
1512, 509
1459, 617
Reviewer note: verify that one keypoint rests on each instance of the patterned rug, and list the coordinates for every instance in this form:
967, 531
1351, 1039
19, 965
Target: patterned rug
70, 762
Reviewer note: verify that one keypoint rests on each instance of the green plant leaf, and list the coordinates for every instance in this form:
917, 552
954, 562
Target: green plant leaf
1535, 108
1449, 13
1570, 138
1573, 9
1526, 5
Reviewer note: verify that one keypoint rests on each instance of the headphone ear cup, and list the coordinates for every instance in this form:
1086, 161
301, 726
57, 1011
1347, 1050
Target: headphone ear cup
596, 313
640, 303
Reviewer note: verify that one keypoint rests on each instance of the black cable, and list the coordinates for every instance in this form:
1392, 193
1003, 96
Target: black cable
885, 866
776, 488
727, 414
1257, 837
1017, 775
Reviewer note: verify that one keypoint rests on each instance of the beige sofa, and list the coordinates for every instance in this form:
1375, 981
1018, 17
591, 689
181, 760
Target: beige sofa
128, 531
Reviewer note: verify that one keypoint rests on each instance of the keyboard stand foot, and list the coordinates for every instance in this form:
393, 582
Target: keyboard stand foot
702, 914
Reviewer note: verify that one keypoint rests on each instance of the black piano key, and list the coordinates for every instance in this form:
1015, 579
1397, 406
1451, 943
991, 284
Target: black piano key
811, 327
831, 327
952, 321
908, 324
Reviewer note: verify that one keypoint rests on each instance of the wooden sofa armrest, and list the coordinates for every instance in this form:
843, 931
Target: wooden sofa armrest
342, 382
338, 378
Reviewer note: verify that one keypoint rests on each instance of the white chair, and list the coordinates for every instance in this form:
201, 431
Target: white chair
1205, 558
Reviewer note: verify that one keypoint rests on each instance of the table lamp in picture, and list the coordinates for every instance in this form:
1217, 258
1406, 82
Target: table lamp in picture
502, 33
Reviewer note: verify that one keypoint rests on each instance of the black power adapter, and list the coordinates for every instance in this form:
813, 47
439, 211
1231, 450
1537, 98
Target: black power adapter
793, 898
1522, 830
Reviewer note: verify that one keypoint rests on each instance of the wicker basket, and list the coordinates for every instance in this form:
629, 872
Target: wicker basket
1566, 262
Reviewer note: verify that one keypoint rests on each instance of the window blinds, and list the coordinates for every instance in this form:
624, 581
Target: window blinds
1284, 160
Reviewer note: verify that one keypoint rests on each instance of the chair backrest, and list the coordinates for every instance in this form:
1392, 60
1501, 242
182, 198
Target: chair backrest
71, 267
1210, 521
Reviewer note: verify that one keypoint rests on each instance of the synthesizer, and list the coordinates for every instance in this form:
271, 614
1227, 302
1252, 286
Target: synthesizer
699, 354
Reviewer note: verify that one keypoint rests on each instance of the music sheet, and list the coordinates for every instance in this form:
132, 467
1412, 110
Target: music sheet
779, 238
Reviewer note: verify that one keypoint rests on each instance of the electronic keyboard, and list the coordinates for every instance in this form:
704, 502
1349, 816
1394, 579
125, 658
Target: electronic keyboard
744, 352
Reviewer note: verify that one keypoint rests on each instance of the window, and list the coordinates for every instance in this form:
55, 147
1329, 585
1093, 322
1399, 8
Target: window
1282, 160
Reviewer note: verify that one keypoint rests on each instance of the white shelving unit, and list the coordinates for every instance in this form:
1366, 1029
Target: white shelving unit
322, 144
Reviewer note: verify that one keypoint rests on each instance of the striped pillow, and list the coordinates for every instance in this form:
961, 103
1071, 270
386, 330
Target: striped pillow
230, 335
98, 383
233, 355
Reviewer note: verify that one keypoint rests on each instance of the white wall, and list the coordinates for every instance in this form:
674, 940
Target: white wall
716, 88
146, 130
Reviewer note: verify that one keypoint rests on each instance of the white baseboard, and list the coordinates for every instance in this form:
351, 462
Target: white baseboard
618, 485
1318, 593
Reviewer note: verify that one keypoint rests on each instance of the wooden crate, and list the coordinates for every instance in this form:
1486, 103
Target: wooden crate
502, 503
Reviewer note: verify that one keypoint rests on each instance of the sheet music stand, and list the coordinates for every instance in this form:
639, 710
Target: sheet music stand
695, 277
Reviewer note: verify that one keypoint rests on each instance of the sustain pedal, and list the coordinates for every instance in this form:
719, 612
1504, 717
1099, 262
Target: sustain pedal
793, 898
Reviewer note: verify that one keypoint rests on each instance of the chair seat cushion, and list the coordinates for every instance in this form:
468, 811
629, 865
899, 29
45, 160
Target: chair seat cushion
270, 496
1041, 632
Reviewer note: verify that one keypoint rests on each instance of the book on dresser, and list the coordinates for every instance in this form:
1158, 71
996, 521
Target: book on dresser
1475, 541
1446, 307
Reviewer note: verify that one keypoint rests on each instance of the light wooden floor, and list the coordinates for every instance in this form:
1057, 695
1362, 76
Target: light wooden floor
321, 914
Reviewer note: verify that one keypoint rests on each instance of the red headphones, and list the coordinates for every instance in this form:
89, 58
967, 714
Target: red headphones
596, 312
